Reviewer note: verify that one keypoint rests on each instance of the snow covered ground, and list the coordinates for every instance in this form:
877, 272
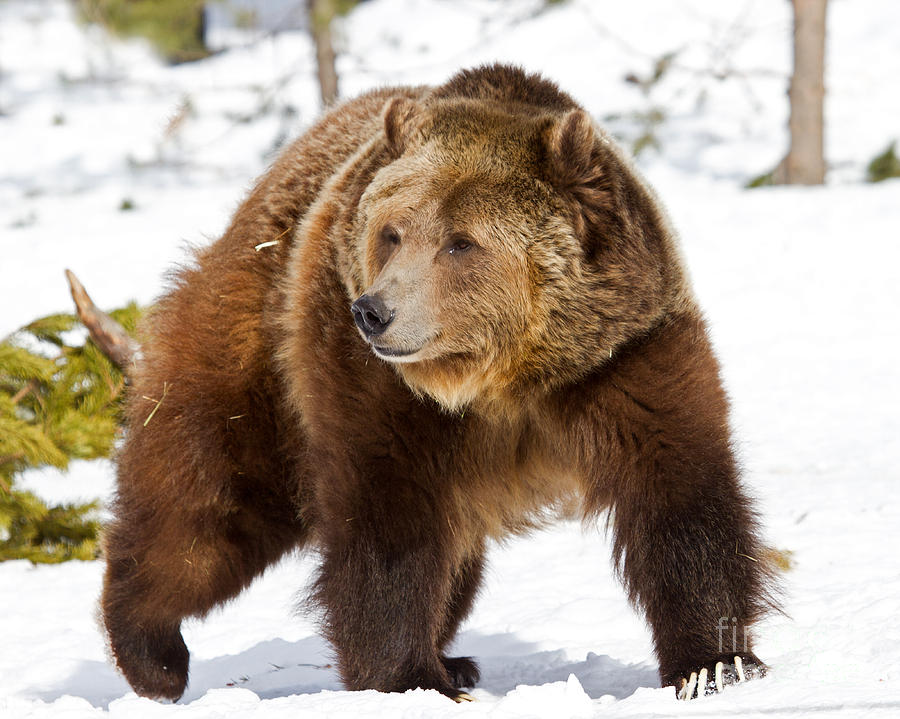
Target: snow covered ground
800, 286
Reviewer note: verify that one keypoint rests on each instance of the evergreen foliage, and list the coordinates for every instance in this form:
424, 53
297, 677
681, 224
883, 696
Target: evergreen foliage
60, 399
767, 179
174, 27
884, 166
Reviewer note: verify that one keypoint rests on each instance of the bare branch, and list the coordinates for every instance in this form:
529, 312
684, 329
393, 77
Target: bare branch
23, 392
109, 335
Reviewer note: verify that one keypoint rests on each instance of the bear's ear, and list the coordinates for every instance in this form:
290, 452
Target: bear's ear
575, 166
570, 148
400, 122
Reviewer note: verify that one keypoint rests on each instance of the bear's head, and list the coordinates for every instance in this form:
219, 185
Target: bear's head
505, 247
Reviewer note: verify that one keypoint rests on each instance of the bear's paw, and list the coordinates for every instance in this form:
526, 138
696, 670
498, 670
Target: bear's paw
714, 679
462, 670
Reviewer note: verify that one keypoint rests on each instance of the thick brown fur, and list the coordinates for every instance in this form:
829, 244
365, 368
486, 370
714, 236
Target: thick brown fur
542, 349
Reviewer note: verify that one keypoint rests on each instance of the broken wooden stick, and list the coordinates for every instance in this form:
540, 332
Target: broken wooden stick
108, 335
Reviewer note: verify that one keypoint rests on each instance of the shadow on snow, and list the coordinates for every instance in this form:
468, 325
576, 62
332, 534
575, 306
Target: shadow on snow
277, 668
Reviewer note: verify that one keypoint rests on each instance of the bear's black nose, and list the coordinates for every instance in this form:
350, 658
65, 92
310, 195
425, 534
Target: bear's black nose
371, 315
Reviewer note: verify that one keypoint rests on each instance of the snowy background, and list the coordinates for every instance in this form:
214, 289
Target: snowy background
801, 286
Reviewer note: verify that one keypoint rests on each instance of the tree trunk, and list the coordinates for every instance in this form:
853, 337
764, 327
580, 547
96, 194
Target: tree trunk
321, 13
805, 161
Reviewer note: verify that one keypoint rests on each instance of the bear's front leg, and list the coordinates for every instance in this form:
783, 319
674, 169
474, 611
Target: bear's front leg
686, 540
690, 558
386, 590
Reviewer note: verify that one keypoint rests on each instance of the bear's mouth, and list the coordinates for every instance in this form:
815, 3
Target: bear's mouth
394, 353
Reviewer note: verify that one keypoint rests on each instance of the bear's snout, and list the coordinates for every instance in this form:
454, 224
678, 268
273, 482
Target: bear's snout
371, 315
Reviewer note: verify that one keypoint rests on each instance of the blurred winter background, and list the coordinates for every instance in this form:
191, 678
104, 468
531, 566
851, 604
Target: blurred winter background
130, 130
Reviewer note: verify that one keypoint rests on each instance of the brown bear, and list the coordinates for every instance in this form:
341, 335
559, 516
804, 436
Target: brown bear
442, 315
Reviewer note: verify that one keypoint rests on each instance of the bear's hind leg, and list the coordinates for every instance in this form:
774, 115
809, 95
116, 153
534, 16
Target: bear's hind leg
173, 552
163, 569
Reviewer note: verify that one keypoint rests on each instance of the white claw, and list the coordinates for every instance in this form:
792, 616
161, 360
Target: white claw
682, 693
701, 682
720, 684
739, 665
691, 686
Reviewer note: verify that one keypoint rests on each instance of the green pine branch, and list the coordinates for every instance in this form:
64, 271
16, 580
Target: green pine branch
60, 399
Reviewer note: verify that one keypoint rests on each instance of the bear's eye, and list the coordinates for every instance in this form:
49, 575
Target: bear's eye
459, 245
390, 236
